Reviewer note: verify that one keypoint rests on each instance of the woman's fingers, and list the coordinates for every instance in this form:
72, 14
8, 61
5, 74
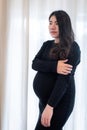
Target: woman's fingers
68, 66
45, 122
63, 68
65, 72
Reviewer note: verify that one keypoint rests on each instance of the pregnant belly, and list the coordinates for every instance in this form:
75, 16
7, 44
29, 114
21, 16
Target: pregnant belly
43, 85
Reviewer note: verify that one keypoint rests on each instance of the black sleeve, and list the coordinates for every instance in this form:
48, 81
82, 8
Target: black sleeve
39, 64
62, 80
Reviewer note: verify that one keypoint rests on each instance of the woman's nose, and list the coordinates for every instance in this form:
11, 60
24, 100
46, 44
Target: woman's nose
53, 26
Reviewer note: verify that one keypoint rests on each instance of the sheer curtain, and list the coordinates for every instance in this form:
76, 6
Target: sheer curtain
14, 20
38, 13
23, 29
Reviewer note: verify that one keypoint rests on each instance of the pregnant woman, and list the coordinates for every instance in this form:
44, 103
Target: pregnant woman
55, 64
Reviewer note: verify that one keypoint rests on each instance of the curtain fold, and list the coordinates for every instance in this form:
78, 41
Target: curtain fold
3, 49
14, 64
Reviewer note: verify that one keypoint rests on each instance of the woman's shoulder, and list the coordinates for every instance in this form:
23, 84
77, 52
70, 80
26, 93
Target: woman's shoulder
48, 42
75, 49
75, 46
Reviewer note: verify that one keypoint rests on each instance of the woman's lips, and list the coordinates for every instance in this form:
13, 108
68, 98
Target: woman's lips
53, 32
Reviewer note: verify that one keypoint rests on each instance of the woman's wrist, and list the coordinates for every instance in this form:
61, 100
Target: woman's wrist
50, 107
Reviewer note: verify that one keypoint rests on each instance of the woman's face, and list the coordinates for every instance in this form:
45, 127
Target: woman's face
53, 27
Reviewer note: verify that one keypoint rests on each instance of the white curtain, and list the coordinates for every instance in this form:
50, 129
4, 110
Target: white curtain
14, 20
23, 29
38, 14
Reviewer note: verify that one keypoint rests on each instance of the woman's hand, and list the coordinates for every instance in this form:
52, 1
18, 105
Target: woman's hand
46, 116
63, 67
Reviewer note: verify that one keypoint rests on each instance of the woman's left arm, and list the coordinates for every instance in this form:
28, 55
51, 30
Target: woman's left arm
61, 84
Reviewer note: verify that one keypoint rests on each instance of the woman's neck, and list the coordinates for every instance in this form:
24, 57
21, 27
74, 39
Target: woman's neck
56, 40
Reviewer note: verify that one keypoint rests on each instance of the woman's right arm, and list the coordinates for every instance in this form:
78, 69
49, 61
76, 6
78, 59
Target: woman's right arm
39, 64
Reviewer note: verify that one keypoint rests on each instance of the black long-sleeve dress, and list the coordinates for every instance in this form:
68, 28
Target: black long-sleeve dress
52, 88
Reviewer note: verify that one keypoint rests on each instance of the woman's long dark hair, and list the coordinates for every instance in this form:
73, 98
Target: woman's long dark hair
66, 35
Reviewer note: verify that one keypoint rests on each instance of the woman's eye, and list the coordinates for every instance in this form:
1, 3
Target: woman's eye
50, 23
56, 23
